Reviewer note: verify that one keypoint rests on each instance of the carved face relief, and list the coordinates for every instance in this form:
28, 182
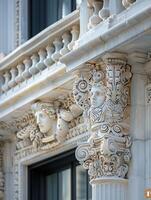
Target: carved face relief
97, 96
106, 152
45, 115
43, 121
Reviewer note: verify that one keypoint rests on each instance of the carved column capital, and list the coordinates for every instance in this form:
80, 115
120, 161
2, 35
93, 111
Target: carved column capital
103, 94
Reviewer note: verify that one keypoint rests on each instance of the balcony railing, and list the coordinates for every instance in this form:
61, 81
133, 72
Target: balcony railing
38, 54
44, 51
101, 10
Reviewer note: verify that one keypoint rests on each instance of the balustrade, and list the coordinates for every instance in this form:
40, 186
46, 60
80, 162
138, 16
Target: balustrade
103, 9
45, 54
39, 60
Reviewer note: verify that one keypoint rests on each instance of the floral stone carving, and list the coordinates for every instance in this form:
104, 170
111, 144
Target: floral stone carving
103, 95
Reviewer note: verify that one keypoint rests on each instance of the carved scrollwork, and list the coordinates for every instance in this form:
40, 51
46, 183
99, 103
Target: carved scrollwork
108, 156
106, 95
81, 91
82, 152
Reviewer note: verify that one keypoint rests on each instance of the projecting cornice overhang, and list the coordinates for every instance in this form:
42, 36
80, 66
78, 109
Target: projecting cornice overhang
126, 32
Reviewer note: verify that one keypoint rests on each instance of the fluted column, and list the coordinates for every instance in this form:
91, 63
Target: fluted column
148, 127
104, 96
137, 124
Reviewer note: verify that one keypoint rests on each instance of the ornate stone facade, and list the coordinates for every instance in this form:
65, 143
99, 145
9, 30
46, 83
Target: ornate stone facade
39, 119
50, 124
103, 94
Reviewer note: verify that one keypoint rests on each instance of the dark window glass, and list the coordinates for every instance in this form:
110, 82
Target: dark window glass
45, 12
59, 178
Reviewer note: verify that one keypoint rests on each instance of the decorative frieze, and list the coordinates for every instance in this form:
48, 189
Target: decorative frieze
103, 95
50, 123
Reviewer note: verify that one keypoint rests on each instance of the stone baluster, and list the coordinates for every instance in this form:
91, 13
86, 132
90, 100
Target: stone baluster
50, 50
26, 74
66, 40
107, 152
127, 3
95, 19
33, 69
19, 78
104, 13
7, 77
42, 55
75, 36
58, 45
12, 82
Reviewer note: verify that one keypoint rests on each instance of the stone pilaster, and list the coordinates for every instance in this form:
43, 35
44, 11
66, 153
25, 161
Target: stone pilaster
104, 96
148, 126
137, 124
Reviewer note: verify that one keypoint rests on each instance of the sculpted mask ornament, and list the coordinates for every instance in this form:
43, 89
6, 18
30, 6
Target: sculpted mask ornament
104, 100
45, 115
40, 131
50, 126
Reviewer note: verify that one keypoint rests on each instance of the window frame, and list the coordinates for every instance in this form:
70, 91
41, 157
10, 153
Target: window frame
37, 174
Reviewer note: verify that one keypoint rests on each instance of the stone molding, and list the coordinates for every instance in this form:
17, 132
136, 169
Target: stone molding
103, 94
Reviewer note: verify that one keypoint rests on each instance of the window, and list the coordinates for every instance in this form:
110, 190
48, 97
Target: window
45, 12
59, 178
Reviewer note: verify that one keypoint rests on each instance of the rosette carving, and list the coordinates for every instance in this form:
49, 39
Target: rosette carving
104, 97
